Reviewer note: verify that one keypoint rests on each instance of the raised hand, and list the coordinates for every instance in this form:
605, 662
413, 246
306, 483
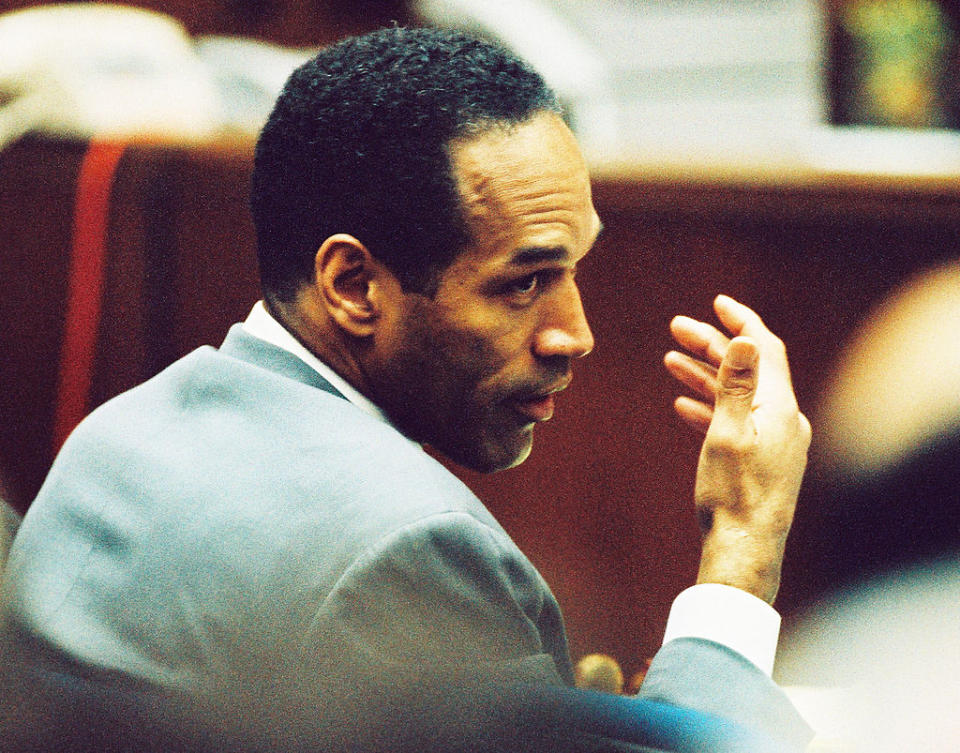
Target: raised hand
755, 445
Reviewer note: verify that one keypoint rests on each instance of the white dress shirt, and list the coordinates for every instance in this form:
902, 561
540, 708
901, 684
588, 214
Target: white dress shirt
722, 614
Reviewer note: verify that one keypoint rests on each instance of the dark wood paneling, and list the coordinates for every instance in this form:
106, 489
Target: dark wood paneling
37, 183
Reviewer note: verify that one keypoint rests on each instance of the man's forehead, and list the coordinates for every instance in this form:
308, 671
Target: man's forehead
533, 255
540, 146
530, 177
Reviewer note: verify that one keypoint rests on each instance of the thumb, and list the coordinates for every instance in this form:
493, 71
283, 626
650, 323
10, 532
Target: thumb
737, 382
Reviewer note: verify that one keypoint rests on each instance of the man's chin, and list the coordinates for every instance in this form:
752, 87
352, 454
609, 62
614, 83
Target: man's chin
492, 455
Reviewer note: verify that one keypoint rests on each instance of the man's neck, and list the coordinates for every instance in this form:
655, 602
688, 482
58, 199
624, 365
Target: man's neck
274, 326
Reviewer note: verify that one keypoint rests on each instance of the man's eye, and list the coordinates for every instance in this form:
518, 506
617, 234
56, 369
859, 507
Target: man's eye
525, 285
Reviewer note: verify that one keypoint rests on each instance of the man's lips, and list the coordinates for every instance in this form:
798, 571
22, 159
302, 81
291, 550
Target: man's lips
540, 406
536, 409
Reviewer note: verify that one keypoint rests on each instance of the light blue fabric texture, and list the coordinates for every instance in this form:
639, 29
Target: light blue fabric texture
234, 522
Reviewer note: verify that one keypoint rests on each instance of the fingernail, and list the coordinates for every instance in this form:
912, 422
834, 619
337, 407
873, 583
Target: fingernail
742, 355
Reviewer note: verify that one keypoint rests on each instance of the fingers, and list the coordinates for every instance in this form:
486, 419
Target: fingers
702, 379
758, 369
696, 375
743, 320
695, 414
776, 387
738, 318
700, 338
707, 341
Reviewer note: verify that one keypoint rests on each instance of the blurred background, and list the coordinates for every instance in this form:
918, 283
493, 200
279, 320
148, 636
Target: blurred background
802, 156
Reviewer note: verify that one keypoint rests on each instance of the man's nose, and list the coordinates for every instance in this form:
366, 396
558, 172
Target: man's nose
565, 331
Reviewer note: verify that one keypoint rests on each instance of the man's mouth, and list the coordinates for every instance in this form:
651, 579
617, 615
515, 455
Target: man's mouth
539, 407
536, 409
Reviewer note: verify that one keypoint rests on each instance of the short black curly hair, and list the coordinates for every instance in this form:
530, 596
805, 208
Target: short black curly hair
357, 143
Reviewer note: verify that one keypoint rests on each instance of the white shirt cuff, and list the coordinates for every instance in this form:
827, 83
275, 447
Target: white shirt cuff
729, 616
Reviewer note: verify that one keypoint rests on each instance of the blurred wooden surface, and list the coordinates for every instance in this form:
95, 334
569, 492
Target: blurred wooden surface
603, 505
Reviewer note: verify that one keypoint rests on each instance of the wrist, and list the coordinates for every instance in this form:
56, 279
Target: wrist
734, 556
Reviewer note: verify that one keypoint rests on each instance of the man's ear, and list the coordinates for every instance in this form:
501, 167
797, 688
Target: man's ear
351, 284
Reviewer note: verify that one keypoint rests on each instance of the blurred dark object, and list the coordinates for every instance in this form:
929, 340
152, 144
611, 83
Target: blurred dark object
636, 679
894, 63
885, 491
883, 523
308, 23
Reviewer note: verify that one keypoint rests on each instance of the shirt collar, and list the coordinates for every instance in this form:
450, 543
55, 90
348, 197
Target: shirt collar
261, 324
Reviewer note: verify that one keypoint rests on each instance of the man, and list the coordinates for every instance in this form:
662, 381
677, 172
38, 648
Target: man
259, 524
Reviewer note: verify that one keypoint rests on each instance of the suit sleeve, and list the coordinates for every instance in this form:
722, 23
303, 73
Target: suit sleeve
706, 676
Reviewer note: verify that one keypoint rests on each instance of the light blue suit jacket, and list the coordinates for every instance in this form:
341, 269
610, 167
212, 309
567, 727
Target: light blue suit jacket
234, 528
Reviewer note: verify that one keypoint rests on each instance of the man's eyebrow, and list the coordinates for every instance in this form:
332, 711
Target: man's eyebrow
538, 254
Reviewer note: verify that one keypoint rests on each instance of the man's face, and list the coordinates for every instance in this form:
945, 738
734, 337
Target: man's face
471, 370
